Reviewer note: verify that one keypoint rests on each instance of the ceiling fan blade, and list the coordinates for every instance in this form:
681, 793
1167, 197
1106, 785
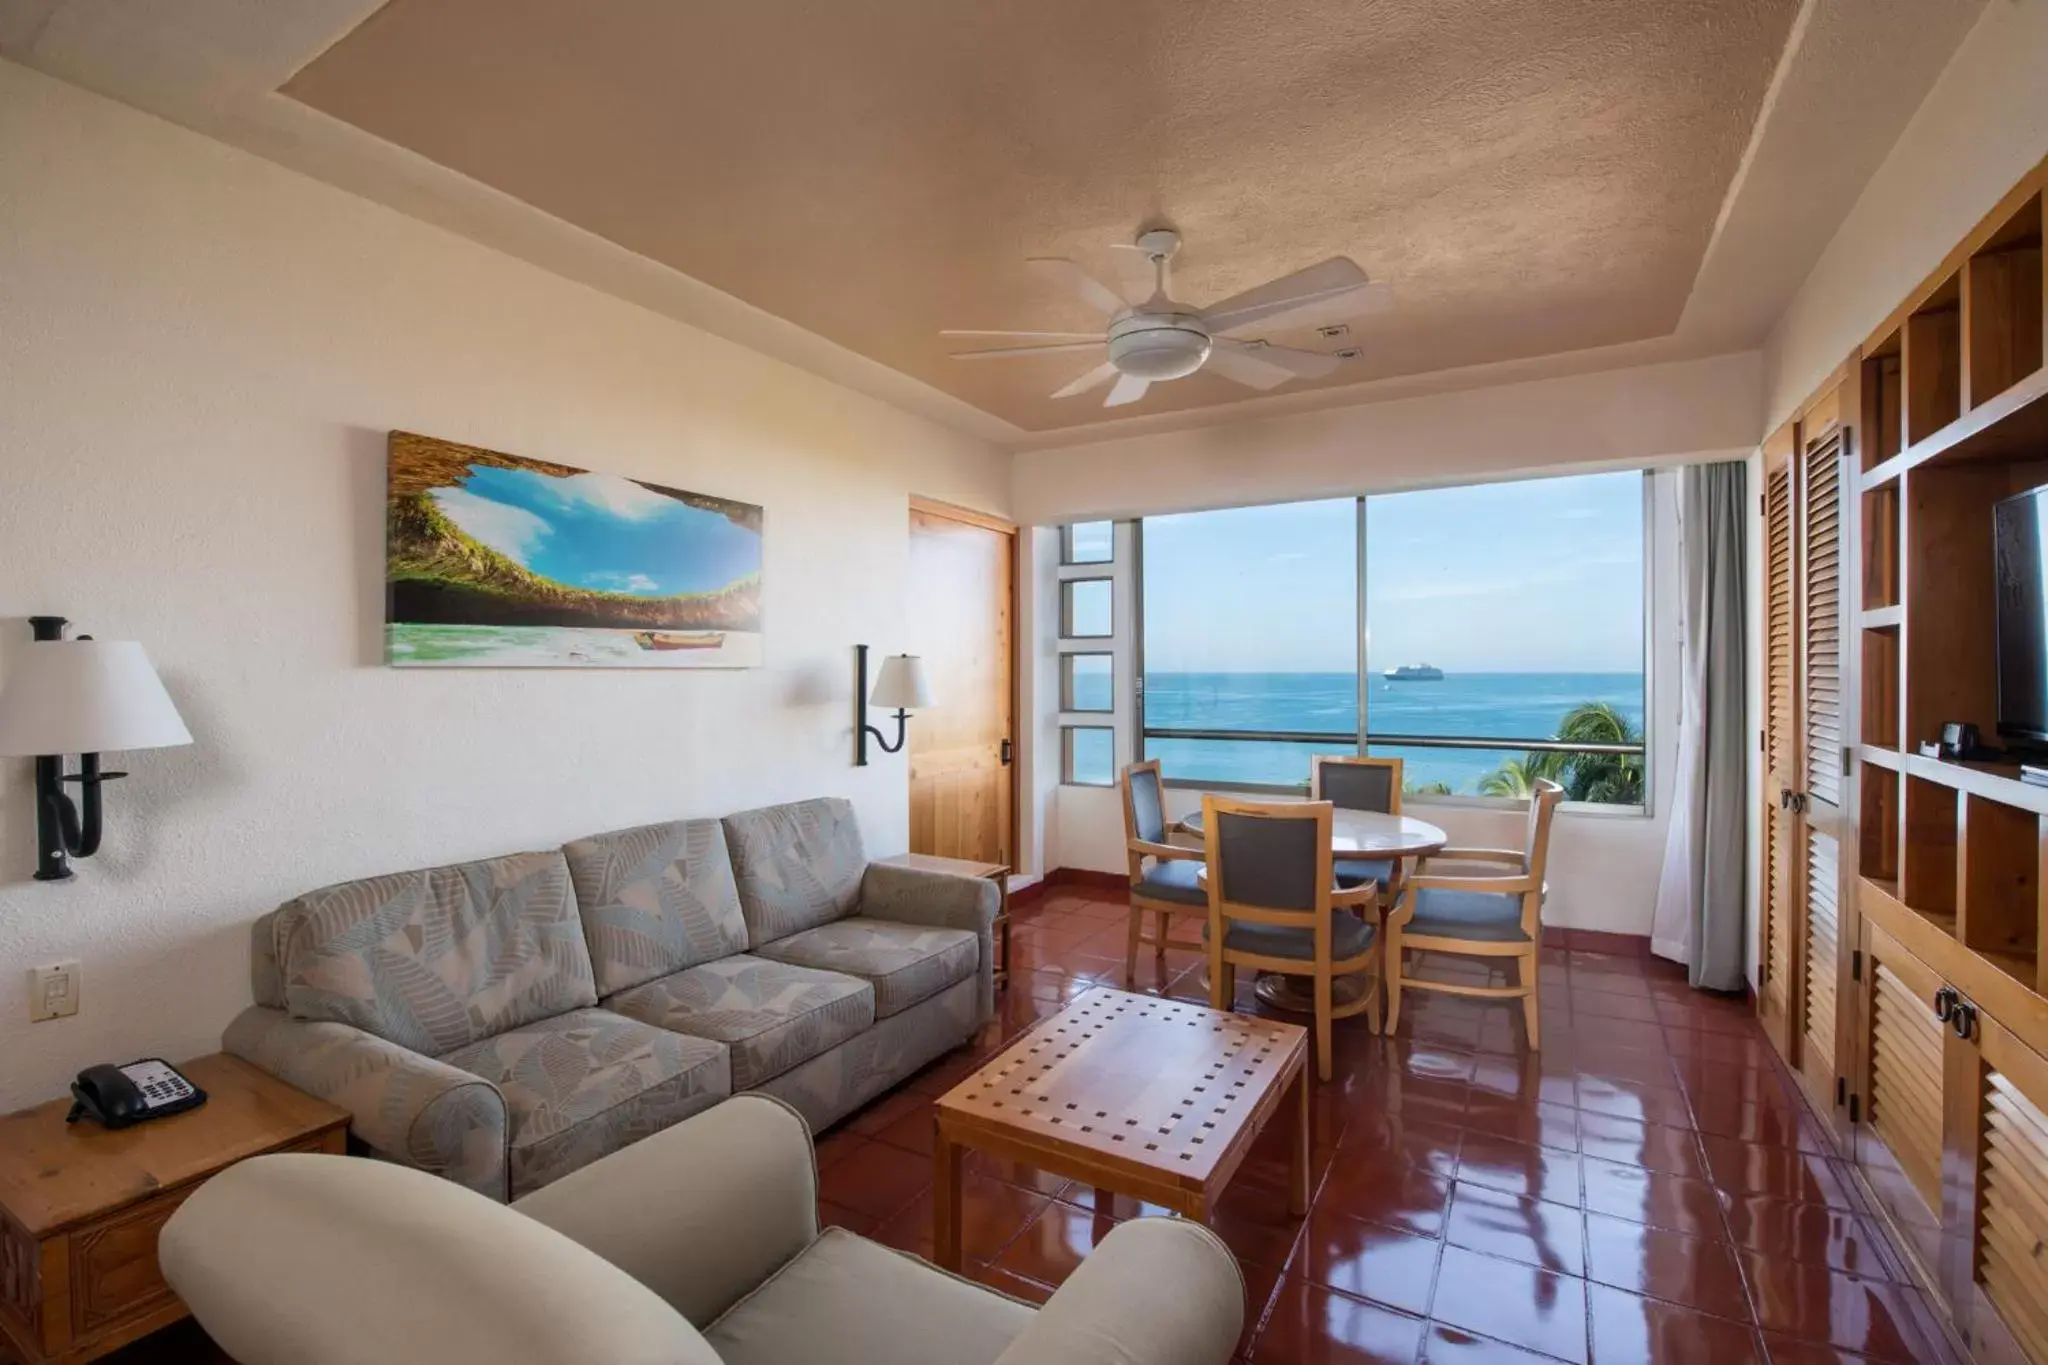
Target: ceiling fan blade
1137, 274
1241, 363
1056, 348
1094, 379
1296, 363
1129, 389
1021, 336
1068, 275
1315, 310
1339, 272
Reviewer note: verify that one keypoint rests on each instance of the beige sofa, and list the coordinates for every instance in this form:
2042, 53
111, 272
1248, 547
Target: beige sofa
504, 1022
699, 1246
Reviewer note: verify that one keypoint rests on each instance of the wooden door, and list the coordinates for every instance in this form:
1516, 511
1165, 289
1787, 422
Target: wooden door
1783, 854
1819, 806
962, 580
2001, 1270
1899, 1142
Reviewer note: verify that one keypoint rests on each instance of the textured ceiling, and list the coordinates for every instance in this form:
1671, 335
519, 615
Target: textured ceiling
1531, 178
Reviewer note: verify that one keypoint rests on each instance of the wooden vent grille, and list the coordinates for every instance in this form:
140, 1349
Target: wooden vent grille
1823, 642
2012, 1256
1822, 936
1905, 1082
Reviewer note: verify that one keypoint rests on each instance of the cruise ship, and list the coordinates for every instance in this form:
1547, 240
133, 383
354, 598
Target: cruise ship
1415, 673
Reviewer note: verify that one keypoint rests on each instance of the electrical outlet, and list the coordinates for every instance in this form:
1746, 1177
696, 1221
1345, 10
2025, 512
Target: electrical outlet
53, 991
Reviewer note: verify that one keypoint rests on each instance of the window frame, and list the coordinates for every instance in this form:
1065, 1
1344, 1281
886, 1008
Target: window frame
1067, 706
1067, 560
1067, 733
1067, 631
1364, 740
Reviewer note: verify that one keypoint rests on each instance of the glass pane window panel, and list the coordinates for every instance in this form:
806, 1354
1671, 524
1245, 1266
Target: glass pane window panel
1509, 610
1251, 624
1085, 608
1249, 762
1088, 542
1090, 755
1606, 779
1086, 683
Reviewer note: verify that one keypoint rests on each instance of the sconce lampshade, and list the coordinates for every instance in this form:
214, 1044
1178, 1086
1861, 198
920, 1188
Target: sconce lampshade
85, 697
901, 685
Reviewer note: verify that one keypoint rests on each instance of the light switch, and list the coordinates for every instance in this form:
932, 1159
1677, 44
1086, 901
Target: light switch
53, 991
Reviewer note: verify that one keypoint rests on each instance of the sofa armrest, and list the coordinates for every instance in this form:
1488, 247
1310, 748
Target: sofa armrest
939, 900
1156, 1291
406, 1107
700, 1213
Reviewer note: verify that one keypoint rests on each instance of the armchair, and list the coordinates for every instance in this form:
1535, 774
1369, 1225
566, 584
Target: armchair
696, 1246
1490, 915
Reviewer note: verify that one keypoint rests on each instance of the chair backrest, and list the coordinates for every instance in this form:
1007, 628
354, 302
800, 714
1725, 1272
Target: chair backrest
1543, 803
1353, 782
1144, 804
1269, 863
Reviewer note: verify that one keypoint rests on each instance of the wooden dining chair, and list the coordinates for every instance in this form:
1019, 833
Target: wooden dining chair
1487, 915
1355, 782
1164, 887
1274, 906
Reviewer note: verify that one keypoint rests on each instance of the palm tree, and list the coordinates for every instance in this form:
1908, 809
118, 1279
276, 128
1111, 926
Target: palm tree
1427, 788
1518, 776
1614, 779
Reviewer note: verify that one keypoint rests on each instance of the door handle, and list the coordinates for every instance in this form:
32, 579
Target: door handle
1007, 751
1945, 1003
1963, 1022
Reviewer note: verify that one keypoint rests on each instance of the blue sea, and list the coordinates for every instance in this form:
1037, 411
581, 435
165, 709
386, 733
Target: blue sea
1510, 706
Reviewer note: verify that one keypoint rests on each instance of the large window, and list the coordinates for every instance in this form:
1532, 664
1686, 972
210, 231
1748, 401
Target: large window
1488, 636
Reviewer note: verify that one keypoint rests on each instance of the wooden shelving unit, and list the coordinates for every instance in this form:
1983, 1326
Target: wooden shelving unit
1940, 999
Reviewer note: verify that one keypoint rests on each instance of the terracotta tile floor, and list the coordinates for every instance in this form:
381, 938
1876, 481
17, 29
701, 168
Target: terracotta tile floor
1649, 1187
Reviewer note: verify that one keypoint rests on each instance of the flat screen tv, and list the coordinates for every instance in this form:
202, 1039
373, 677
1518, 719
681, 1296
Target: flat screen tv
2020, 530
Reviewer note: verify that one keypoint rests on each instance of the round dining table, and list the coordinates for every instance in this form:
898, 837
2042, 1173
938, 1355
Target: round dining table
1353, 834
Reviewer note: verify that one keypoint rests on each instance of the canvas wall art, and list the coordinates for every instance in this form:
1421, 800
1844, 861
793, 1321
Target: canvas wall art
496, 561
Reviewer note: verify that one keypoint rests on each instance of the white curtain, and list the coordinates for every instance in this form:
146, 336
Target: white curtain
1699, 918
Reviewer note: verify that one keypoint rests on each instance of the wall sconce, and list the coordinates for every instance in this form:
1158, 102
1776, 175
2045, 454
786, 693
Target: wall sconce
901, 684
83, 697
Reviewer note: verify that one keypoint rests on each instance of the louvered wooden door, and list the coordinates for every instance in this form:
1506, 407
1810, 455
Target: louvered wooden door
2002, 1271
1783, 862
1899, 1142
1819, 804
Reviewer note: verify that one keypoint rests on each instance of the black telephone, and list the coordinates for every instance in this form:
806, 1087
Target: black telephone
117, 1096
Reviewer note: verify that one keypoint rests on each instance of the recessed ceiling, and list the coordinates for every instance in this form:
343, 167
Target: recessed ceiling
1531, 178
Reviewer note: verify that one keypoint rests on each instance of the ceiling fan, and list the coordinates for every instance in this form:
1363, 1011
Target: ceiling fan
1152, 338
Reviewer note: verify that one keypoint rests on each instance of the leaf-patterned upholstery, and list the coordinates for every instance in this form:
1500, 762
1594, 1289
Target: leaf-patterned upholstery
798, 866
655, 900
905, 963
589, 1082
770, 1014
436, 959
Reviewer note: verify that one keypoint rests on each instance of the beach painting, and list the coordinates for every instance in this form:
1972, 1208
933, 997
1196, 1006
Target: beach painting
495, 561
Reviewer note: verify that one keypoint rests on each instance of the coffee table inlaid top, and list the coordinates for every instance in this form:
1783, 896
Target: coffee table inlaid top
1160, 1088
1367, 833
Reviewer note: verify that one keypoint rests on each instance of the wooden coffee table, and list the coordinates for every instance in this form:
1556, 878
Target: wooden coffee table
1151, 1098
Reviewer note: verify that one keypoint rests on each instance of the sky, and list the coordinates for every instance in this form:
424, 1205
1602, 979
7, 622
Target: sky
601, 532
1541, 576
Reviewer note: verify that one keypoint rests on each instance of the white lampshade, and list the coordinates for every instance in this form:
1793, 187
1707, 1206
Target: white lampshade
901, 685
85, 697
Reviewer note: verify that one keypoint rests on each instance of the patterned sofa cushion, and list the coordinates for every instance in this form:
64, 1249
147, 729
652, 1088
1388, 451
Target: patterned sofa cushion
655, 900
906, 963
770, 1014
435, 959
797, 866
588, 1082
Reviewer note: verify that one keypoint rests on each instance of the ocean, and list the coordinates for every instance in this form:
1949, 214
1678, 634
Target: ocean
1511, 706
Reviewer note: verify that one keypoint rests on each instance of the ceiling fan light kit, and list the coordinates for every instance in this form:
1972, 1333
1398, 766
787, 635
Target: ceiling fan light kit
1151, 338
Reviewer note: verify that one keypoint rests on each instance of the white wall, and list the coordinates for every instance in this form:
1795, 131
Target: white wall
1982, 127
202, 354
1605, 867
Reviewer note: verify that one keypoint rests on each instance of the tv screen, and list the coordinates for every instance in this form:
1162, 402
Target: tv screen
2022, 550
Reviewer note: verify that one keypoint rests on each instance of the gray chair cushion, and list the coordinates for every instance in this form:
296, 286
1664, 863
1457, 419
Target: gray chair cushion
771, 1014
850, 1301
1266, 861
655, 900
1359, 786
1148, 806
1349, 936
1480, 916
1173, 879
905, 963
796, 866
1356, 872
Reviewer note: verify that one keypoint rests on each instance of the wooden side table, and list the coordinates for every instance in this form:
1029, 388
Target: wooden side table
999, 873
80, 1207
